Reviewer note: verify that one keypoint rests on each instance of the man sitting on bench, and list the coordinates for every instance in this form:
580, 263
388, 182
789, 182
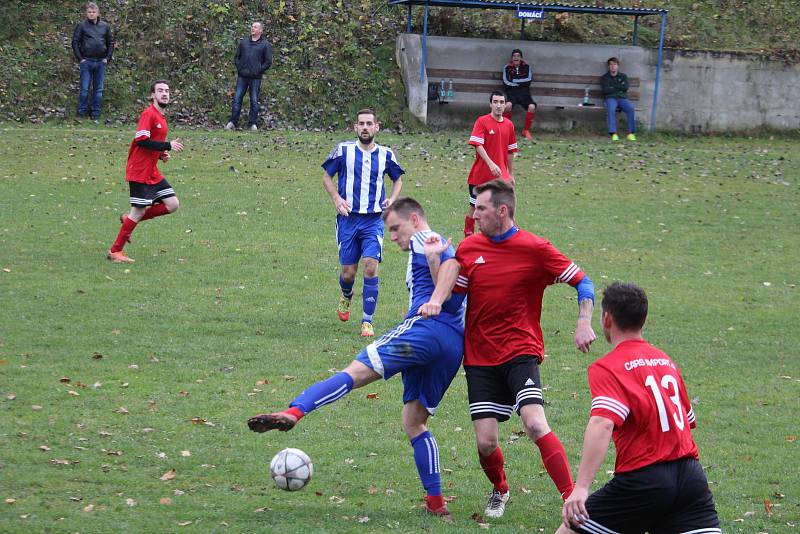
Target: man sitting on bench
517, 76
615, 95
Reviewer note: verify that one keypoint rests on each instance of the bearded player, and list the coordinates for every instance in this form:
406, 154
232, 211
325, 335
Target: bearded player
151, 195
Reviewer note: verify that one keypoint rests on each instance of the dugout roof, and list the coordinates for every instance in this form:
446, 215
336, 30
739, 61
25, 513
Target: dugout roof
634, 12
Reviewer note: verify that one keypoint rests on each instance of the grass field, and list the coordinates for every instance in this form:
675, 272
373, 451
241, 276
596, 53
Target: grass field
112, 376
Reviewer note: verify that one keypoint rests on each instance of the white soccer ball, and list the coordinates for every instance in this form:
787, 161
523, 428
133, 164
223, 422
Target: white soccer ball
291, 469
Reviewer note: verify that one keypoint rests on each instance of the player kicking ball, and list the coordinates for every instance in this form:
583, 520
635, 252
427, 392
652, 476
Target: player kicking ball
638, 400
426, 352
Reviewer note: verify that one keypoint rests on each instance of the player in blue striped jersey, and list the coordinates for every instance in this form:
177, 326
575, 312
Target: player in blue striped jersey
360, 197
427, 352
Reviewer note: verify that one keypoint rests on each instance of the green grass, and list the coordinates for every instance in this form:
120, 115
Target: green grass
240, 286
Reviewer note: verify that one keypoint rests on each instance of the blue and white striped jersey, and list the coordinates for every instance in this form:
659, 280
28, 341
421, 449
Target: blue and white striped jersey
360, 180
420, 283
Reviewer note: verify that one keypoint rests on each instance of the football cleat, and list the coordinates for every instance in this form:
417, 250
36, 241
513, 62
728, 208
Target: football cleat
527, 134
119, 257
496, 505
343, 309
367, 330
272, 421
631, 137
614, 137
442, 511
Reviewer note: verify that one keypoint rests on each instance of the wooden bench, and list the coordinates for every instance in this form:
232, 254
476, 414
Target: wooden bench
559, 91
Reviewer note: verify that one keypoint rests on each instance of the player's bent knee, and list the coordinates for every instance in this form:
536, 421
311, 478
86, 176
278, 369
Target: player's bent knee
361, 374
172, 204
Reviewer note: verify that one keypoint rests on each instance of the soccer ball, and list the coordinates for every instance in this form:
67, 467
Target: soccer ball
291, 469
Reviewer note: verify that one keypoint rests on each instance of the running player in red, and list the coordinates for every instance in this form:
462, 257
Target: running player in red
494, 139
150, 194
639, 400
504, 272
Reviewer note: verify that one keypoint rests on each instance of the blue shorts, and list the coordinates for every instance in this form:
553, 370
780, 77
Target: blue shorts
426, 351
359, 236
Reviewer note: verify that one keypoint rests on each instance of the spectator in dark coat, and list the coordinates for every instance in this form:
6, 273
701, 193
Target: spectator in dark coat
253, 58
93, 46
615, 95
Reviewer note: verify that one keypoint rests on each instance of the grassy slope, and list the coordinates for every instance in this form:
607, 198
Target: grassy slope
239, 287
330, 58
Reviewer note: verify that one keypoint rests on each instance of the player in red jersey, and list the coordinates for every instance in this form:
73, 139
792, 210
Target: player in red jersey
150, 194
504, 271
639, 400
494, 139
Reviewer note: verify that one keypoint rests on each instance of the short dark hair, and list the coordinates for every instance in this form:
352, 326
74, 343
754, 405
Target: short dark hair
496, 93
367, 111
404, 207
502, 193
153, 85
517, 51
626, 303
612, 60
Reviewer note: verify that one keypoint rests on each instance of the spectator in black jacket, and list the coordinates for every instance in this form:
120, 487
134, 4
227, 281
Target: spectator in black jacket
517, 77
93, 46
253, 58
615, 95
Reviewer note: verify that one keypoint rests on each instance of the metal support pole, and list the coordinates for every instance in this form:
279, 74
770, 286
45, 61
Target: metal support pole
635, 30
408, 26
522, 30
658, 73
424, 45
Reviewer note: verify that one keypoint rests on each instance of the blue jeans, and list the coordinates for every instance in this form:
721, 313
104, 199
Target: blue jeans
612, 104
93, 72
242, 85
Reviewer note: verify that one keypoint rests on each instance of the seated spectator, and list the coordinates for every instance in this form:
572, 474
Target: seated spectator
517, 76
615, 96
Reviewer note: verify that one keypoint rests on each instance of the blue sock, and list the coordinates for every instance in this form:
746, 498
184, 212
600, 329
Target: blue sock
370, 297
426, 456
324, 392
347, 288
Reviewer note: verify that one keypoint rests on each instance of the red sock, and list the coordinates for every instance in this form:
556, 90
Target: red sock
156, 210
295, 412
469, 226
529, 120
507, 114
493, 467
124, 234
434, 501
554, 458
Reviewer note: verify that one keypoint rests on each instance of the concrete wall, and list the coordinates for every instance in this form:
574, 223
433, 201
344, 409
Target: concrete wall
699, 91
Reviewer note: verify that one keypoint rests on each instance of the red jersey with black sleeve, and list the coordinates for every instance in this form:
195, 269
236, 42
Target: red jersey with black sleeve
142, 163
640, 389
499, 140
505, 281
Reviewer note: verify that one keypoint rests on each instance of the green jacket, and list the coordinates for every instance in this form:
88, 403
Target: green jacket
614, 86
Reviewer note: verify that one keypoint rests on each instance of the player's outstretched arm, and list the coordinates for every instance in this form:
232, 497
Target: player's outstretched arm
584, 334
448, 274
342, 208
595, 446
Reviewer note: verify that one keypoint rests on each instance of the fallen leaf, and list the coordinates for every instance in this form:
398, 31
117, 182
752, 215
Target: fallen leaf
73, 393
11, 501
373, 396
124, 385
88, 508
363, 519
97, 356
768, 507
130, 502
237, 487
478, 518
36, 408
198, 421
262, 382
791, 439
65, 380
372, 490
177, 493
186, 454
162, 455
183, 393
524, 490
184, 523
57, 461
165, 500
749, 514
260, 510
289, 377
122, 410
169, 475
76, 499
11, 396
44, 448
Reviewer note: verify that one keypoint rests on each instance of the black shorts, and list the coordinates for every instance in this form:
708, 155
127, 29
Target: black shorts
473, 197
663, 498
496, 391
143, 195
520, 97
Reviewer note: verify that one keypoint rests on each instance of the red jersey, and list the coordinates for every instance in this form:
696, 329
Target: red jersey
142, 163
640, 389
498, 139
505, 282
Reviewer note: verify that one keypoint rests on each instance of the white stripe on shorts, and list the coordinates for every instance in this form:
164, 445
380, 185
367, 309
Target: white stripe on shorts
375, 359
